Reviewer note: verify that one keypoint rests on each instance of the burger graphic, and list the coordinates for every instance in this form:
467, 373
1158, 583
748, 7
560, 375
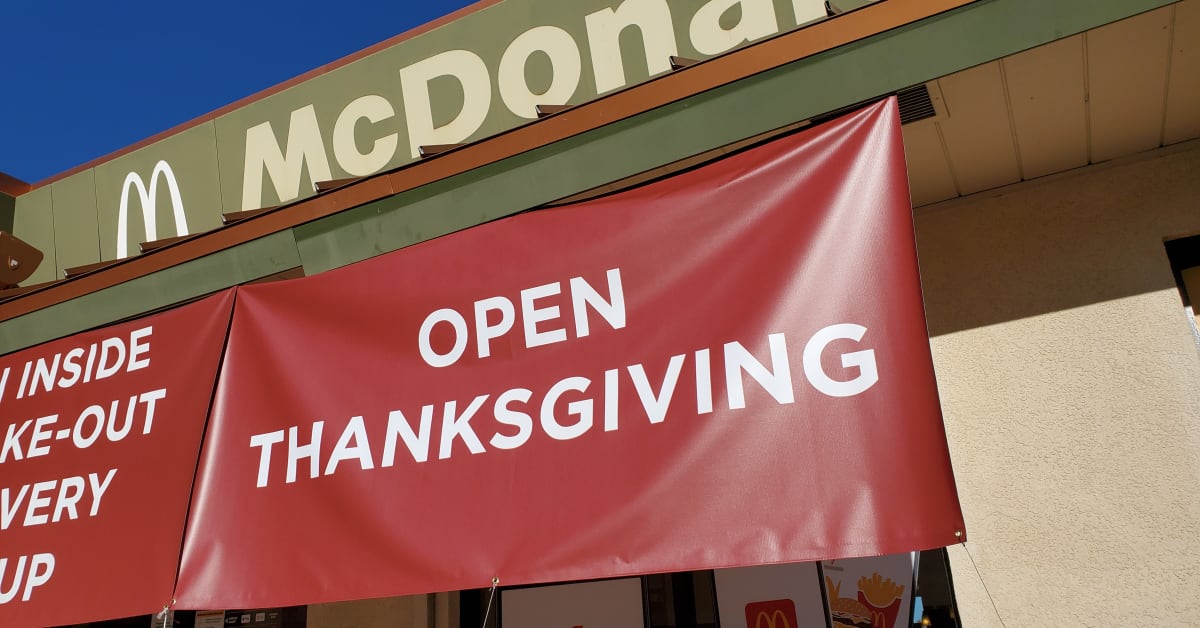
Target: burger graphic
877, 604
846, 612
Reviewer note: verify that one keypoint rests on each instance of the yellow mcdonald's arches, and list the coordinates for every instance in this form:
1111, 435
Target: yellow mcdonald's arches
775, 619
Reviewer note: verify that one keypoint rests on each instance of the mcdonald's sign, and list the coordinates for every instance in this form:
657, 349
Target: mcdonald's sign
771, 614
148, 196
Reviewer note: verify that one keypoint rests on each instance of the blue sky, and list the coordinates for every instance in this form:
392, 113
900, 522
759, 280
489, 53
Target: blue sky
83, 79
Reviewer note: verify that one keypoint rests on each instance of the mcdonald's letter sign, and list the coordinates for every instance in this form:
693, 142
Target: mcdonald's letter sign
771, 614
148, 200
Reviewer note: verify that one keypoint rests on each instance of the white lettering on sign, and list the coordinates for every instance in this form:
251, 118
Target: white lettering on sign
304, 148
13, 570
80, 365
351, 446
539, 318
652, 18
458, 425
373, 109
777, 381
48, 501
472, 75
148, 197
302, 145
560, 48
754, 373
756, 19
568, 409
29, 500
864, 361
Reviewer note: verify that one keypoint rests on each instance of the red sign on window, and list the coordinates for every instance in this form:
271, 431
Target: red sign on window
771, 614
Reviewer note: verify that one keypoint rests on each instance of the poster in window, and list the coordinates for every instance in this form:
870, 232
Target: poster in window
770, 596
871, 592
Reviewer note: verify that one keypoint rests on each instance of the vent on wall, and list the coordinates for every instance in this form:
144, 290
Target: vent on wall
919, 103
916, 104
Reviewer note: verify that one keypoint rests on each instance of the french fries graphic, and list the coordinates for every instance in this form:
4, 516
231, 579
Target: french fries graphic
882, 597
880, 592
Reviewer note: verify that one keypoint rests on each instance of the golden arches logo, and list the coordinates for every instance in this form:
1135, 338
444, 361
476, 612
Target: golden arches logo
771, 614
775, 620
148, 200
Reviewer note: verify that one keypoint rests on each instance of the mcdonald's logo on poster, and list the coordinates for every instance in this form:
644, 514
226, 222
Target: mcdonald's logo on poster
148, 201
771, 614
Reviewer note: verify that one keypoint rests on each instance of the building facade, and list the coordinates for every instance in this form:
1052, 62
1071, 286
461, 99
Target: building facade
1054, 165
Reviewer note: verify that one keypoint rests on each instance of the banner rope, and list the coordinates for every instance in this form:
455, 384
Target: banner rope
491, 596
985, 587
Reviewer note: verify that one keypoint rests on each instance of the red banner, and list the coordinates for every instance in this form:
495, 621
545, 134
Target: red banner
726, 367
101, 435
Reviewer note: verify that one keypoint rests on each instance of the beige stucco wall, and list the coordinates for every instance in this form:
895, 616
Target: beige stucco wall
1070, 382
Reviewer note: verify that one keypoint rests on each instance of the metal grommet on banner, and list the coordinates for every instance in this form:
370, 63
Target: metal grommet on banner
165, 614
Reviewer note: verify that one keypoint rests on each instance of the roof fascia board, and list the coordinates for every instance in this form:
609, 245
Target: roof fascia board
186, 281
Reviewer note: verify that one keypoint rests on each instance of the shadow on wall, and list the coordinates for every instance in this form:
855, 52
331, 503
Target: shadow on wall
1064, 241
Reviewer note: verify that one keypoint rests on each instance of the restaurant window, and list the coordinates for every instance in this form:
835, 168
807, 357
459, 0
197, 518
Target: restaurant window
934, 603
695, 599
288, 617
678, 600
670, 600
1184, 255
